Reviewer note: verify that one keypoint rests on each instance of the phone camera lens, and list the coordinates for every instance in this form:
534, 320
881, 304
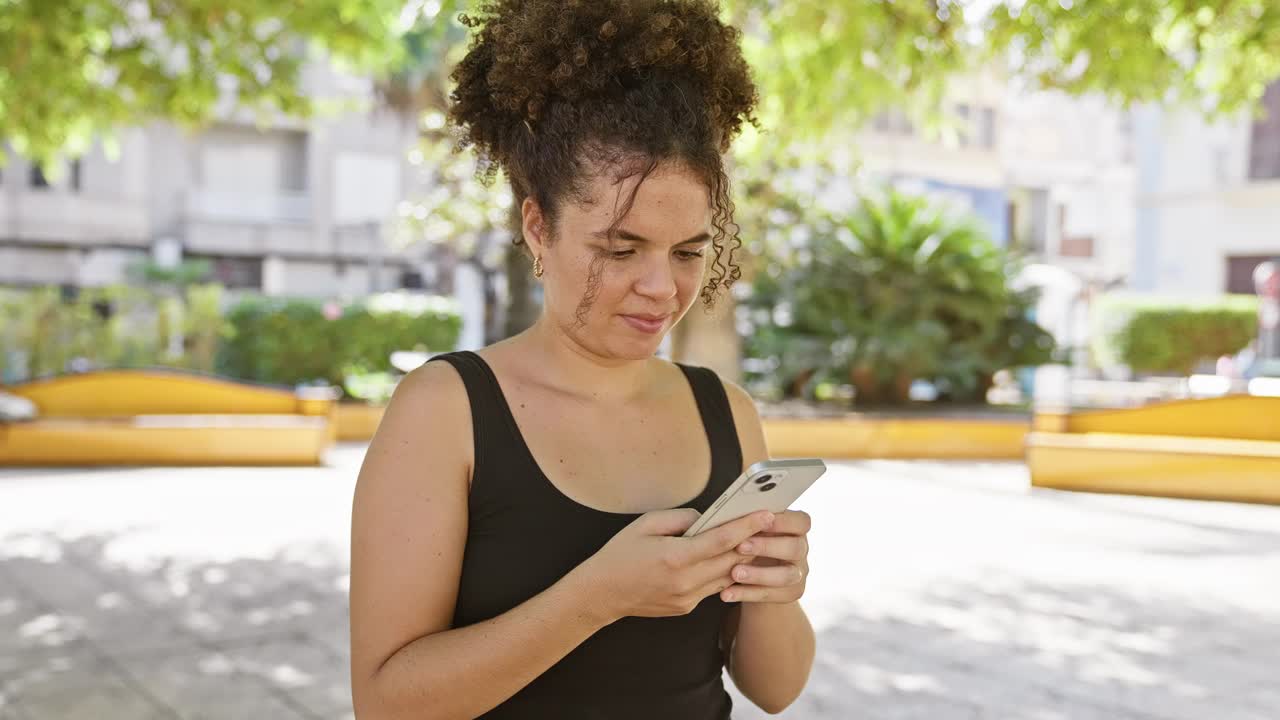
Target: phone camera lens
763, 479
767, 488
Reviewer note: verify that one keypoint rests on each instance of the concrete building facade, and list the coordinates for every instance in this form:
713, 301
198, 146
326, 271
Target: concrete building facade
296, 208
1209, 199
1050, 175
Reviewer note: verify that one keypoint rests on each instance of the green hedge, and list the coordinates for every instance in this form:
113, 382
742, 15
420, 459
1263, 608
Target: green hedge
118, 326
1162, 335
294, 341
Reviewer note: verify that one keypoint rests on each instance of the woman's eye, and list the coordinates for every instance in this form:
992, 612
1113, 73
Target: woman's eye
620, 254
688, 255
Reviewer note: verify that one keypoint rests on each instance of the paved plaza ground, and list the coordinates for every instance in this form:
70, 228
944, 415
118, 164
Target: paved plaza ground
939, 591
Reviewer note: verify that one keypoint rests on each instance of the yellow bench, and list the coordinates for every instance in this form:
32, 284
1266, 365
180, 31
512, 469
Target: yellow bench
874, 435
166, 417
1215, 449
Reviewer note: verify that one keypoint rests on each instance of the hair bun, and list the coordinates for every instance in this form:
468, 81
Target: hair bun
528, 54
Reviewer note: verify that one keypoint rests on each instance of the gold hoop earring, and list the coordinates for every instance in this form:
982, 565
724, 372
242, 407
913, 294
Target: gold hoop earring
537, 266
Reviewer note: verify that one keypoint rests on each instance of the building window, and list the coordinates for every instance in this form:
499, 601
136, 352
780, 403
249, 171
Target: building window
1078, 246
411, 280
234, 272
1264, 141
1069, 245
38, 179
293, 161
1028, 218
1240, 272
987, 128
963, 124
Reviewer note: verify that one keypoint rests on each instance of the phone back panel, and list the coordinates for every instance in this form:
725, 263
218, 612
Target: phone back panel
767, 485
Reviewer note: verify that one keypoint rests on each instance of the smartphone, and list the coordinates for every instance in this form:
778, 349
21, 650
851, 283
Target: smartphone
767, 485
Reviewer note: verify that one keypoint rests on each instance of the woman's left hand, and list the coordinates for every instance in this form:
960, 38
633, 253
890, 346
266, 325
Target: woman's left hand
778, 572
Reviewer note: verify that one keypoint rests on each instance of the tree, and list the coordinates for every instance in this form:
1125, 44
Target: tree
823, 66
73, 70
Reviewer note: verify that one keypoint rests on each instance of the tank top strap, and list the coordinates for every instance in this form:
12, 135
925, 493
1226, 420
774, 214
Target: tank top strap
717, 417
490, 431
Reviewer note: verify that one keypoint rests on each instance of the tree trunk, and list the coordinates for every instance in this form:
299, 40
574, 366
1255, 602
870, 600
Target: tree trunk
522, 312
710, 339
902, 386
866, 385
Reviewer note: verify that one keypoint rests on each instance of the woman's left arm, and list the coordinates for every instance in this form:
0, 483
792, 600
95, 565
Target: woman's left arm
768, 637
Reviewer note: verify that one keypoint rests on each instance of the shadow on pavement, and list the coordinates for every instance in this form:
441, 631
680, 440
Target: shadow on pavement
89, 632
103, 627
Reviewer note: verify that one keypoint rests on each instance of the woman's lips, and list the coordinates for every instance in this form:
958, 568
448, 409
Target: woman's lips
646, 324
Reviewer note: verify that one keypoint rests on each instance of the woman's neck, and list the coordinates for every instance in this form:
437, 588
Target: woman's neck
567, 365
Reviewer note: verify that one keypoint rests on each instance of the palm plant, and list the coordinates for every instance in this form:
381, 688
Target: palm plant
897, 290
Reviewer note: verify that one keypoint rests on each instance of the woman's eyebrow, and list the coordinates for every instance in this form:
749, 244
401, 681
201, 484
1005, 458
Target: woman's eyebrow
632, 237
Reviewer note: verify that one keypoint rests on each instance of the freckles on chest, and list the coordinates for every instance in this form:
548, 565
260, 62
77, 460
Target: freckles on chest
620, 461
575, 445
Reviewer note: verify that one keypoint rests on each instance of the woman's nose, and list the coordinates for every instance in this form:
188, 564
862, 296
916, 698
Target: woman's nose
658, 280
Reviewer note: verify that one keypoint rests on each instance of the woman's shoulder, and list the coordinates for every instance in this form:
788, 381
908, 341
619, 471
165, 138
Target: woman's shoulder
435, 387
438, 374
740, 401
745, 416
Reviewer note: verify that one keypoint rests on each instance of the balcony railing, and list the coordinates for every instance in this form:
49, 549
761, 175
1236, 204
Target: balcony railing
247, 207
45, 216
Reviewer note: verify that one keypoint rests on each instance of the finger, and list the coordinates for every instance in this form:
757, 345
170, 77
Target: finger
726, 537
791, 522
714, 586
718, 566
667, 522
761, 593
790, 548
776, 576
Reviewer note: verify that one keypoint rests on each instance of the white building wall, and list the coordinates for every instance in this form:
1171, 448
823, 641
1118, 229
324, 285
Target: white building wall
1076, 153
307, 278
1080, 151
1201, 207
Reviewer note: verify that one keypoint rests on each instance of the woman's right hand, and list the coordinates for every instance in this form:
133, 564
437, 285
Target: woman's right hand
648, 570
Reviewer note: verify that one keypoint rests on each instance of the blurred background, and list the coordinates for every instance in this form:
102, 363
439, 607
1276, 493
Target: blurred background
989, 248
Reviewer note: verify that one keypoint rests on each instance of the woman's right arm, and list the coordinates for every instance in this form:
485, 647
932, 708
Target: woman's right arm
408, 534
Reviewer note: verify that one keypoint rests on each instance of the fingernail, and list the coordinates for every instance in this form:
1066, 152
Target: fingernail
746, 548
740, 574
768, 519
730, 596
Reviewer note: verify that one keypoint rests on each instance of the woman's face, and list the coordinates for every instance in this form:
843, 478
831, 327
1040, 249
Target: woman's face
618, 300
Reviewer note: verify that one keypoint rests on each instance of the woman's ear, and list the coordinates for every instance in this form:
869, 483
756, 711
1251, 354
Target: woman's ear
533, 226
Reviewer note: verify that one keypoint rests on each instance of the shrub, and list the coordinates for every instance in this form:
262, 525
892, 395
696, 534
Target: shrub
1163, 336
295, 341
55, 331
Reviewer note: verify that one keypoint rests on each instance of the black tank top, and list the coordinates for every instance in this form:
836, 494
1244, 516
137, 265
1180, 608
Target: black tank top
524, 535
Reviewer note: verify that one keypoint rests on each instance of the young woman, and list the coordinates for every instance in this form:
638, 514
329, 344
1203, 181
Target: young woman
516, 548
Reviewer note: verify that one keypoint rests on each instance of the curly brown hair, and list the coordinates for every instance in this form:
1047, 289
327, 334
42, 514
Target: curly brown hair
551, 91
